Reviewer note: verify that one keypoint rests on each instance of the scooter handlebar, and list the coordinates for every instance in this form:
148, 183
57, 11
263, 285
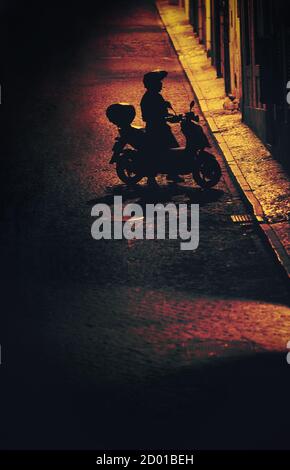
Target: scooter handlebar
174, 118
178, 117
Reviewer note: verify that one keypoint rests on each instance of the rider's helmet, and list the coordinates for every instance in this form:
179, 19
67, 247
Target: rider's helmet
154, 77
121, 114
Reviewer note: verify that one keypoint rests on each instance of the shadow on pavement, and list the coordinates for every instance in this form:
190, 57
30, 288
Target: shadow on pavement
165, 193
238, 403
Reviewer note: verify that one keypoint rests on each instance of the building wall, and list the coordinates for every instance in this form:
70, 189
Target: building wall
208, 27
203, 7
249, 45
266, 66
187, 8
235, 50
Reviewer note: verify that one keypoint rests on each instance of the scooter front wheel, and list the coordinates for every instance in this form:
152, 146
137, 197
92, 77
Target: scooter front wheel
207, 171
126, 172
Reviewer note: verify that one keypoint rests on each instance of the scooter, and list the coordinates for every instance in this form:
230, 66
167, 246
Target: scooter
132, 164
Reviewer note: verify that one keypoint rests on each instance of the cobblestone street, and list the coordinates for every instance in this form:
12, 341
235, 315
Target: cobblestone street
129, 344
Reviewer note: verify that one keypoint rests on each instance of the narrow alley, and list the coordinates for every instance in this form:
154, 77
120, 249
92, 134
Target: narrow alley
127, 345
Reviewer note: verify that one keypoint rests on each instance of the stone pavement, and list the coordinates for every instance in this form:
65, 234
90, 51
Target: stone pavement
261, 179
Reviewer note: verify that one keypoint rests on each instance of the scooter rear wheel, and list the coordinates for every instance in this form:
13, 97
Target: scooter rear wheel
207, 171
126, 173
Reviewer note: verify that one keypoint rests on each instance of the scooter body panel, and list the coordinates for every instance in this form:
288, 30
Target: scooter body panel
173, 161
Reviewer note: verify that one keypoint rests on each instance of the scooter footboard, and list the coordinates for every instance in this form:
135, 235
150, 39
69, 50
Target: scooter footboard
178, 161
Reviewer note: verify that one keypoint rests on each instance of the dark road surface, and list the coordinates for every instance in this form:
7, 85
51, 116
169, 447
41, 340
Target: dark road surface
110, 344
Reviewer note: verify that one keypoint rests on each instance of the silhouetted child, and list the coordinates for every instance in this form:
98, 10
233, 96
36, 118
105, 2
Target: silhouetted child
155, 110
155, 113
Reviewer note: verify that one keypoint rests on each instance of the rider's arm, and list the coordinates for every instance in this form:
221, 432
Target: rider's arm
173, 118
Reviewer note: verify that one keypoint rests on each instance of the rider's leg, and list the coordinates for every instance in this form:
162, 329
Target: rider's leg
175, 178
151, 181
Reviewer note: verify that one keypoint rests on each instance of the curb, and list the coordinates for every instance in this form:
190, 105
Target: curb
267, 231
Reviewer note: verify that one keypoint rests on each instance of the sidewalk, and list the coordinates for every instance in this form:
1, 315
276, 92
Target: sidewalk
262, 180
